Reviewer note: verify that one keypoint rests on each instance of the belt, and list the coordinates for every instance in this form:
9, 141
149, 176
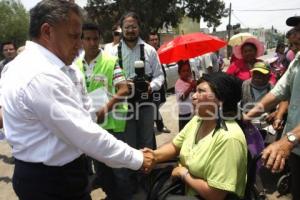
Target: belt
80, 161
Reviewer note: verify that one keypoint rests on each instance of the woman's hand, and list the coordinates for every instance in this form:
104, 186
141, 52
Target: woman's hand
180, 172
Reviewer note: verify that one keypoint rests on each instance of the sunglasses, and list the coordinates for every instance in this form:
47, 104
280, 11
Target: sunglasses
117, 33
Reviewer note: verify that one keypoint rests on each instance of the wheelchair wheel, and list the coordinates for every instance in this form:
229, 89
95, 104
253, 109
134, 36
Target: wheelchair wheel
283, 184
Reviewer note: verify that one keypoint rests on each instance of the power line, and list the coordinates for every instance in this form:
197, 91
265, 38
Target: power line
238, 19
270, 10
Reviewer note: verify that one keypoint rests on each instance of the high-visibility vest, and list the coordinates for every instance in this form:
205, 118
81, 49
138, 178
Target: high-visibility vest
102, 76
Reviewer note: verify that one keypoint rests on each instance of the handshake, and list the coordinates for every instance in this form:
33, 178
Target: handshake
149, 161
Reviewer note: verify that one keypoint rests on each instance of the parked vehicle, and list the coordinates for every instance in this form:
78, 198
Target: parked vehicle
171, 75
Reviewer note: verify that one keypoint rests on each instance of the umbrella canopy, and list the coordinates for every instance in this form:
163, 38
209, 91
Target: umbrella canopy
188, 46
239, 38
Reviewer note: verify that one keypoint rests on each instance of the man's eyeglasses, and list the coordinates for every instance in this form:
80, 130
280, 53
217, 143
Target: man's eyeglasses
126, 28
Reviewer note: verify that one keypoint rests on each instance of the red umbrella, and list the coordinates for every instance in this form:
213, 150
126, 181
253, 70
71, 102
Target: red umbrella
188, 46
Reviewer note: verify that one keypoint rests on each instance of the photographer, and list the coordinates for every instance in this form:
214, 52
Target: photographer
139, 129
141, 65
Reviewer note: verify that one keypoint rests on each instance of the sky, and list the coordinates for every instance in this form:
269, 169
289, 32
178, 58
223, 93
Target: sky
247, 19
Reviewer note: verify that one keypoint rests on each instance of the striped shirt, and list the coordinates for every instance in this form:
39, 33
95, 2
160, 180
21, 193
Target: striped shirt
118, 75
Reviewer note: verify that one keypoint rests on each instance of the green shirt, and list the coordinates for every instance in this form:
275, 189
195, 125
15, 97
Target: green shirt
219, 159
287, 88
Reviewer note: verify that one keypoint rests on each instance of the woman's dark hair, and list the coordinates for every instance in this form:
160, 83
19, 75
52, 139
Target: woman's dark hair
279, 45
249, 44
130, 14
52, 12
227, 89
181, 63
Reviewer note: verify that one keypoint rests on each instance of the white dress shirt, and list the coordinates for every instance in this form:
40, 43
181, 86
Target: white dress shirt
109, 48
76, 76
44, 117
152, 63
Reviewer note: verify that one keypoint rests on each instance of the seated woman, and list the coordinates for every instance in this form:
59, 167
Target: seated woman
212, 147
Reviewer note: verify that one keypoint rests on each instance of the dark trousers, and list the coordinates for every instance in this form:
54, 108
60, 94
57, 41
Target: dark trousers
36, 181
159, 121
158, 118
113, 181
183, 120
294, 164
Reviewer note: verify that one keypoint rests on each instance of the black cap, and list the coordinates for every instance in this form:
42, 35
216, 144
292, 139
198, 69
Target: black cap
293, 21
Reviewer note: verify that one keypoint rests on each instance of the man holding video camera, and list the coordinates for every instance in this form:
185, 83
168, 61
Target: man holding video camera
141, 65
142, 69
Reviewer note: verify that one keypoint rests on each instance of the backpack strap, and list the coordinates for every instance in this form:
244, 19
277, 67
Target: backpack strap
120, 55
142, 52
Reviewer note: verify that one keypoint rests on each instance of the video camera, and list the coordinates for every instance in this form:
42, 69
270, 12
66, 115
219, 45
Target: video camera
140, 83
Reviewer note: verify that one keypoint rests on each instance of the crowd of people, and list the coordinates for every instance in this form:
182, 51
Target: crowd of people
59, 131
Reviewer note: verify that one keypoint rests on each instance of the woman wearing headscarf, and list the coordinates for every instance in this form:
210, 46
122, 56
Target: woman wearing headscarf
212, 148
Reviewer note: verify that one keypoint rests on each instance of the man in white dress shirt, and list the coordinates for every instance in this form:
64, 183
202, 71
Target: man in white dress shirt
44, 116
117, 34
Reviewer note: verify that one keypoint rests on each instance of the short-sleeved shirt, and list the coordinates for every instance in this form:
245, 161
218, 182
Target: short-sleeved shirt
290, 55
287, 88
205, 62
220, 158
118, 75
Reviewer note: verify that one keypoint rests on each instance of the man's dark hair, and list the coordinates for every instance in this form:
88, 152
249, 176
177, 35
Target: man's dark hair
115, 27
6, 43
151, 33
90, 27
51, 12
130, 14
291, 32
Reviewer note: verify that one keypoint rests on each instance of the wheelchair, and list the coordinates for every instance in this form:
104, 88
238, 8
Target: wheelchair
160, 187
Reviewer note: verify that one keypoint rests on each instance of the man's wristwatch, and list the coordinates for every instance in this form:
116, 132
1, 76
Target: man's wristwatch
292, 138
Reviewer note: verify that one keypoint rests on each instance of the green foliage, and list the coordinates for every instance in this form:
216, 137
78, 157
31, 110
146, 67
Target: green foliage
154, 14
14, 22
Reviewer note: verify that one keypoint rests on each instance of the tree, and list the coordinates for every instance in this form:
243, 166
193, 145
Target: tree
14, 22
154, 14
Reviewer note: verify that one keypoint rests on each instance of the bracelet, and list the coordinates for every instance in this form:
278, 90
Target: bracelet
183, 176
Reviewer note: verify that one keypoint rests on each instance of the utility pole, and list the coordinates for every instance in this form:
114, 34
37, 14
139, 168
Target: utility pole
228, 31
